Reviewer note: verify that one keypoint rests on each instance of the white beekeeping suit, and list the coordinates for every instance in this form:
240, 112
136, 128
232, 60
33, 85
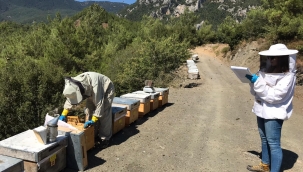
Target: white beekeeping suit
98, 90
274, 91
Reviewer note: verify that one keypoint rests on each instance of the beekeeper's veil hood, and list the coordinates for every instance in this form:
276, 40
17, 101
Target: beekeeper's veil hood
281, 50
73, 91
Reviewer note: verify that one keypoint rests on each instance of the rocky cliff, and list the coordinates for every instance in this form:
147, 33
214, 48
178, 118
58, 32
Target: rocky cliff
174, 8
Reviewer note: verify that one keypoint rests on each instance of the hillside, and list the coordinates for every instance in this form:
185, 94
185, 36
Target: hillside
26, 11
213, 11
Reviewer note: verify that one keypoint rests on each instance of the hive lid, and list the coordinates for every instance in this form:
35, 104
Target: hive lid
142, 97
118, 112
129, 103
26, 146
154, 95
161, 90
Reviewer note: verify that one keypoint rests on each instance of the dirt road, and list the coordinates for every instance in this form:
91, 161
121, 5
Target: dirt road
208, 128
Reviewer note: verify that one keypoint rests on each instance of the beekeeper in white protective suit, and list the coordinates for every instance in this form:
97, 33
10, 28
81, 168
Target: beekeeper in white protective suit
98, 90
273, 88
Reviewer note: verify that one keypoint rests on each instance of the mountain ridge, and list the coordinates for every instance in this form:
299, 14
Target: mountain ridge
213, 11
26, 11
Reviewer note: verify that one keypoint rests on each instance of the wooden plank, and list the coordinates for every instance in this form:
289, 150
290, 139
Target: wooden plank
30, 166
26, 146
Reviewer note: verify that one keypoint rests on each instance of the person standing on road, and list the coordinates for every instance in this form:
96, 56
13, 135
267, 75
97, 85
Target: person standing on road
273, 89
98, 90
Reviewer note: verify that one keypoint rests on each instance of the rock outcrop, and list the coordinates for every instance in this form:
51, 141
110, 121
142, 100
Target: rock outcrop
177, 7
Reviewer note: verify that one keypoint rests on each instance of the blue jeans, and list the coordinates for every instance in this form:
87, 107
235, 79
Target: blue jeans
270, 133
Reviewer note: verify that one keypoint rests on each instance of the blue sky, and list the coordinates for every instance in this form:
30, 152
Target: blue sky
124, 1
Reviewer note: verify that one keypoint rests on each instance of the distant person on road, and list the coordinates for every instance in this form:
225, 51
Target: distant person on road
273, 88
98, 90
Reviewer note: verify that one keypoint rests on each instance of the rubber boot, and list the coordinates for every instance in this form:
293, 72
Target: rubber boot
259, 168
100, 143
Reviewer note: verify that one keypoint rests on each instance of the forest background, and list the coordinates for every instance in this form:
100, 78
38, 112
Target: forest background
35, 58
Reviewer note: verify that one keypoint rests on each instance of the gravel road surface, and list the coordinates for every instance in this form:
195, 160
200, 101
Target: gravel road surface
207, 128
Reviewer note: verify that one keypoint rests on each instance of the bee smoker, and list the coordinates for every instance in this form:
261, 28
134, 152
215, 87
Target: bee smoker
148, 88
52, 130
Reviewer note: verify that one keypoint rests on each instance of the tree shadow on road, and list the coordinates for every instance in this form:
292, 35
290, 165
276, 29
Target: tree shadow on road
151, 114
289, 158
124, 134
132, 130
93, 160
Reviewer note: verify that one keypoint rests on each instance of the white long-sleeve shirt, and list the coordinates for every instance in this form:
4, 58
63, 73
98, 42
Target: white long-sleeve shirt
273, 95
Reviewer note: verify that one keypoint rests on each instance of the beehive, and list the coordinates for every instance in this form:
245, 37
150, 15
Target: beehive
25, 146
154, 99
8, 164
132, 107
119, 114
144, 107
88, 132
163, 98
76, 151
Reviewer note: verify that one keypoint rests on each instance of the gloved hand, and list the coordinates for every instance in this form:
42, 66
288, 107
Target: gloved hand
253, 78
62, 118
88, 123
63, 115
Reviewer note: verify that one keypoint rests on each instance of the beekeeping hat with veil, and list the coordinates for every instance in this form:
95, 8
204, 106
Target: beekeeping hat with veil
277, 50
73, 91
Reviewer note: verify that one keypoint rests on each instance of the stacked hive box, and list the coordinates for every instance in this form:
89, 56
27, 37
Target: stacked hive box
154, 100
195, 57
119, 114
89, 132
76, 151
36, 156
9, 164
144, 107
193, 72
132, 107
163, 98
